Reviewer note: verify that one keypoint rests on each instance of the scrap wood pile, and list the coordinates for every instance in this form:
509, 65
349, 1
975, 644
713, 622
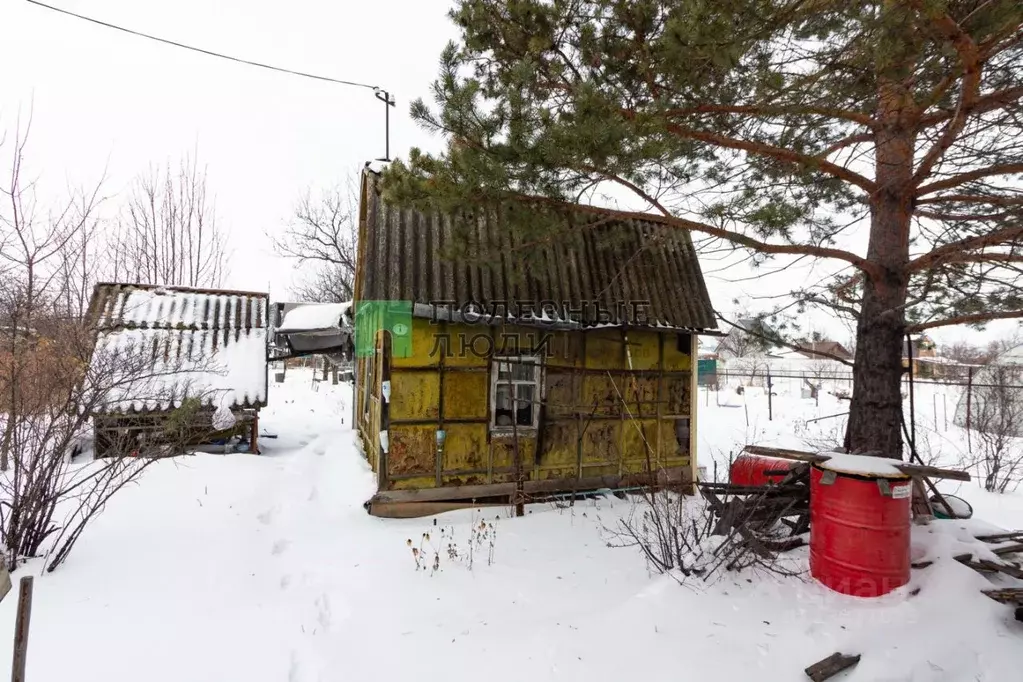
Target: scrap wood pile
1008, 547
764, 520
758, 522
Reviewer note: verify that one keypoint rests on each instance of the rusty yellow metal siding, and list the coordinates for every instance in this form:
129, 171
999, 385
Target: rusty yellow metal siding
601, 418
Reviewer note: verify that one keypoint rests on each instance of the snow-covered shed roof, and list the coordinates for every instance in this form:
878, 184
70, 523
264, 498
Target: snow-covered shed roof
180, 343
314, 317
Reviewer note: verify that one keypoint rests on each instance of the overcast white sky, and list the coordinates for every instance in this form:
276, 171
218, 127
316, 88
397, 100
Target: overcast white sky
101, 98
107, 101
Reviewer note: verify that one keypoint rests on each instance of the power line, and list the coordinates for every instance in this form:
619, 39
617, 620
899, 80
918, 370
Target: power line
211, 53
381, 94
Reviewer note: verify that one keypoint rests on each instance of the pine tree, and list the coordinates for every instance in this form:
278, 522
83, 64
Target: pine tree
776, 126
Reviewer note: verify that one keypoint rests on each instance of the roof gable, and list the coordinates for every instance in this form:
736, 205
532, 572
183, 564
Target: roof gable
601, 269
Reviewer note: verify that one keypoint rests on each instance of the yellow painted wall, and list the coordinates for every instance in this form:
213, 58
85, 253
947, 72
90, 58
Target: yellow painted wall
587, 431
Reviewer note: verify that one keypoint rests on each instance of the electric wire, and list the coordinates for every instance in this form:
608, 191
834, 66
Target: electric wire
211, 53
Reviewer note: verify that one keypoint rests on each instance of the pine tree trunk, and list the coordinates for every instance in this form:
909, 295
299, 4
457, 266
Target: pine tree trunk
875, 416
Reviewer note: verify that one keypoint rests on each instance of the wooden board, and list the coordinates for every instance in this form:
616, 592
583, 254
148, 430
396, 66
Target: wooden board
832, 665
1011, 595
467, 493
815, 458
415, 510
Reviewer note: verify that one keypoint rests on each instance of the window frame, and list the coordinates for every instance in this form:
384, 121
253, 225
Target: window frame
536, 382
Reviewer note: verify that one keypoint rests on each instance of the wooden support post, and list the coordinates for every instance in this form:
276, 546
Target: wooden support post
21, 630
254, 436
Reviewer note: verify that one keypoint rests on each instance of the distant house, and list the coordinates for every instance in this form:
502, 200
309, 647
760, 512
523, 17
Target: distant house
165, 347
926, 362
824, 349
482, 393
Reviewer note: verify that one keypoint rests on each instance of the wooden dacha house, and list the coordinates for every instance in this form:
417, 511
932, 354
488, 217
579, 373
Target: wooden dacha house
484, 394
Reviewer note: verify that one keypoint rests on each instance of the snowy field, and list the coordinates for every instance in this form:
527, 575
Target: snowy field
255, 569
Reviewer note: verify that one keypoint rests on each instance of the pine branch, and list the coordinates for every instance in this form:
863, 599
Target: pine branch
769, 111
793, 157
964, 319
963, 178
970, 61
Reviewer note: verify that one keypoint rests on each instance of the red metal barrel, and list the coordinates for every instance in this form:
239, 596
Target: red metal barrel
749, 469
859, 528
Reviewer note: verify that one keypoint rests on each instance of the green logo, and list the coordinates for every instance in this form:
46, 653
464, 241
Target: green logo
393, 316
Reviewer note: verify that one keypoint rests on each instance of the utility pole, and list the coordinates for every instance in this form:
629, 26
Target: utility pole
388, 101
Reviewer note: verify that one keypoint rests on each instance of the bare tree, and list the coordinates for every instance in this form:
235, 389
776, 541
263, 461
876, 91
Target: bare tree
997, 406
168, 231
749, 336
965, 353
322, 233
52, 378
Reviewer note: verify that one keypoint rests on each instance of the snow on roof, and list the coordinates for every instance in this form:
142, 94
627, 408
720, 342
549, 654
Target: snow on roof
862, 465
174, 343
313, 317
937, 360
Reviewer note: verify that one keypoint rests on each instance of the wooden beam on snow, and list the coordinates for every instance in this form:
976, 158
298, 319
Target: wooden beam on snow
832, 665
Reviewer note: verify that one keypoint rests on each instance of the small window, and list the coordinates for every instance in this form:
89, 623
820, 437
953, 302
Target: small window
515, 393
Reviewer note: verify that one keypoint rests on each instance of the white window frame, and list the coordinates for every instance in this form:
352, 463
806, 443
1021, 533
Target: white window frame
536, 382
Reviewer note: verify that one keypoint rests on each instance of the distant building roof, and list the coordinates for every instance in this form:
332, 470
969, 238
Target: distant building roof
208, 344
315, 317
824, 349
599, 263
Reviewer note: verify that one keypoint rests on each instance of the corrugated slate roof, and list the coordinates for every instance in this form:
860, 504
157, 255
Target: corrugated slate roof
204, 343
609, 270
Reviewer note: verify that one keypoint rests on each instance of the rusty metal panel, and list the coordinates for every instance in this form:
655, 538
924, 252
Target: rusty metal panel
425, 352
674, 359
672, 449
601, 442
465, 449
600, 470
605, 350
502, 453
600, 394
468, 344
560, 446
563, 388
641, 396
415, 394
412, 450
566, 350
465, 394
589, 257
635, 437
676, 392
413, 483
643, 350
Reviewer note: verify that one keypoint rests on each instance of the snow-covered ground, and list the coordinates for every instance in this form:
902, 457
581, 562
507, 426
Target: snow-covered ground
267, 568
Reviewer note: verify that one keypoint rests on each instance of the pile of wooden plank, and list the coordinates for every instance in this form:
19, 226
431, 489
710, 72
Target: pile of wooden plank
760, 521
